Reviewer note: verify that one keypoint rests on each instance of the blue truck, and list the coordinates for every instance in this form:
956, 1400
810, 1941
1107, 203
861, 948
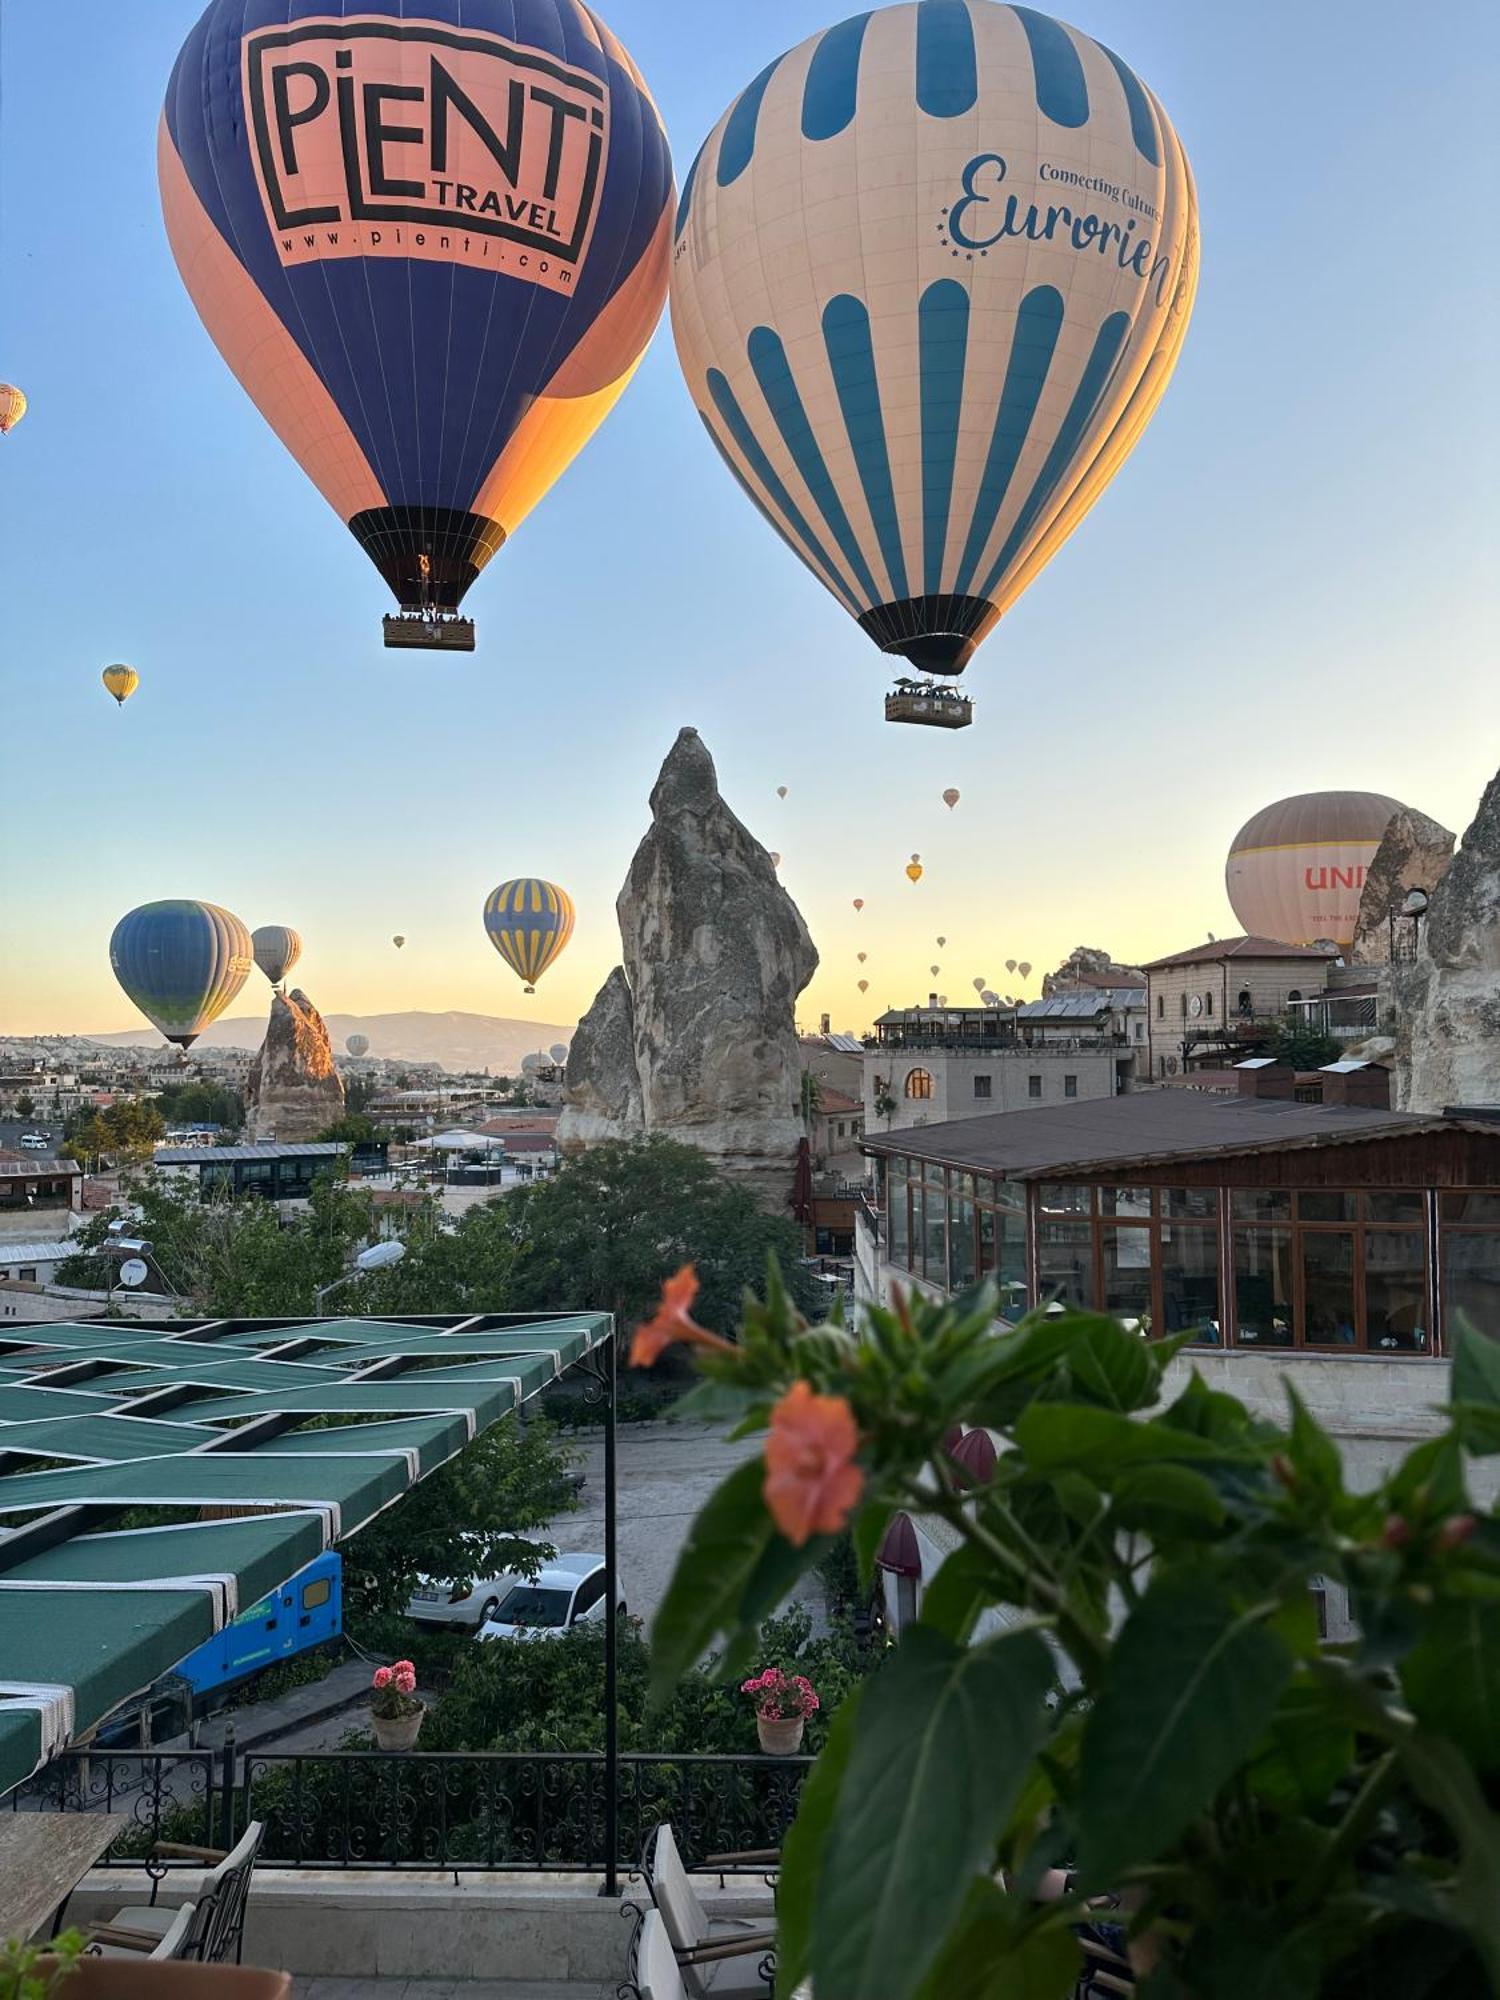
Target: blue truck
306, 1611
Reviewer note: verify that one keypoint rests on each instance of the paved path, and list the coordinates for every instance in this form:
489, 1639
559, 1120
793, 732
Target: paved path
455, 1989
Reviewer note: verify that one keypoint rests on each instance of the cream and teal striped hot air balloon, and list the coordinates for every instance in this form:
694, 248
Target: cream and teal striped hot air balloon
181, 962
931, 273
529, 922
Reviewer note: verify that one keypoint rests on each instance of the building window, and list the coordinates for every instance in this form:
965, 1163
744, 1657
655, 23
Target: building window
918, 1083
1208, 1005
1161, 1006
1330, 1268
1244, 1002
1295, 994
1140, 1031
1470, 1254
1033, 1086
898, 1238
1182, 1003
1070, 1086
982, 1086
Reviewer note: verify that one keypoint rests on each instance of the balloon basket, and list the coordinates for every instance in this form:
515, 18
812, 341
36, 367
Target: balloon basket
929, 703
426, 629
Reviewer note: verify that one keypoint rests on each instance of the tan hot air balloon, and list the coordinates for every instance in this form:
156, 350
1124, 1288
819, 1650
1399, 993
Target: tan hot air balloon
398, 940
12, 407
775, 860
861, 956
941, 942
1296, 870
951, 797
276, 949
1010, 965
121, 682
913, 871
979, 983
1024, 968
859, 902
934, 970
864, 986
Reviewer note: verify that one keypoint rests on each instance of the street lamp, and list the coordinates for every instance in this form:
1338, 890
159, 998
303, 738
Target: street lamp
376, 1258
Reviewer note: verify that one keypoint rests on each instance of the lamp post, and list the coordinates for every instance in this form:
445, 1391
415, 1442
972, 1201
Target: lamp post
378, 1257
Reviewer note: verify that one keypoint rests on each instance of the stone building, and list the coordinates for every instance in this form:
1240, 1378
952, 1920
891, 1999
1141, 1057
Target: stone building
1226, 995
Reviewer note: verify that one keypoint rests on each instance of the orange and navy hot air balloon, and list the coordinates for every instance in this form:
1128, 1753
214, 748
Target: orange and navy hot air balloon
529, 923
12, 407
432, 242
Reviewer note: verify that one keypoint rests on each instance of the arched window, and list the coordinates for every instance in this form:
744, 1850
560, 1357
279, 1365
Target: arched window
1243, 1001
1161, 1006
1208, 1005
918, 1083
1182, 1001
1295, 994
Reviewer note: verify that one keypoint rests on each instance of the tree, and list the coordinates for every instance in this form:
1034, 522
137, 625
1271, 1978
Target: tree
1303, 1046
198, 1103
812, 1097
612, 1225
358, 1091
885, 1107
469, 1518
125, 1132
354, 1129
25, 1105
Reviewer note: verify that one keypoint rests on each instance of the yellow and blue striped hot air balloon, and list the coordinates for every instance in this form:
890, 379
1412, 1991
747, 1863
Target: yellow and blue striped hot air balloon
181, 962
932, 270
529, 922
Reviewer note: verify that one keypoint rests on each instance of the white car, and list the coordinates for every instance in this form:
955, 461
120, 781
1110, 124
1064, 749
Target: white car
568, 1592
441, 1601
35, 1142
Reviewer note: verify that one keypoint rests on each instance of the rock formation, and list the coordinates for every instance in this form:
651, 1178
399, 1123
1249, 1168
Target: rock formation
694, 1036
1448, 1000
1413, 854
294, 1089
1089, 965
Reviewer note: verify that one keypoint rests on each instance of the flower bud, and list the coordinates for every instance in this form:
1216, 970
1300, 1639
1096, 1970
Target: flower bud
1455, 1531
1396, 1533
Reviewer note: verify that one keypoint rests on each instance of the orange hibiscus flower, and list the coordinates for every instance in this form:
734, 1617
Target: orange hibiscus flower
812, 1483
673, 1322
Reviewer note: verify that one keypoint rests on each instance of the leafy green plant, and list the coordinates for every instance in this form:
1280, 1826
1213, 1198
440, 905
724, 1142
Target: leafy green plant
1117, 1672
37, 1971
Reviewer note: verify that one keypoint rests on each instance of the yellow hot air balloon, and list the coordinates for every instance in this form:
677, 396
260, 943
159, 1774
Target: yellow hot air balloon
12, 407
932, 272
913, 871
529, 922
121, 681
951, 797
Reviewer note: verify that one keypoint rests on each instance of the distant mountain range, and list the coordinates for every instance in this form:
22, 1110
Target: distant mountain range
454, 1041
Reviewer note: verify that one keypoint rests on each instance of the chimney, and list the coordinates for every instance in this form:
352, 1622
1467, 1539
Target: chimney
932, 1001
1365, 1086
825, 1024
1261, 1076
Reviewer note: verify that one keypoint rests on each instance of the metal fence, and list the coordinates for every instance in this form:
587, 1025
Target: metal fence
459, 1811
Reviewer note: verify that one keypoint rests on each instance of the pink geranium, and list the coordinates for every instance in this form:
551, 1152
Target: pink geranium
393, 1691
383, 1677
781, 1697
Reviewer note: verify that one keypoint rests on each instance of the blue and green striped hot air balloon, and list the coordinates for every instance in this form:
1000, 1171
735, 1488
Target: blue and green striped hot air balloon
181, 962
529, 922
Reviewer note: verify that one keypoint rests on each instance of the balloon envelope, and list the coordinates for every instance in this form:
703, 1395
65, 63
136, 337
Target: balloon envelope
1024, 968
121, 682
913, 871
861, 956
859, 902
398, 940
942, 941
529, 922
1010, 965
864, 986
1296, 869
432, 250
276, 950
919, 355
12, 406
951, 797
781, 791
356, 1044
558, 1052
181, 963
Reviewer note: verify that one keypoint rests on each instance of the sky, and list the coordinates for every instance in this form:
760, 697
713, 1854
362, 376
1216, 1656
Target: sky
1284, 589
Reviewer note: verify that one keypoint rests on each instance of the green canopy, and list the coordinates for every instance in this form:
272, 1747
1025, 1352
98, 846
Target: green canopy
219, 1420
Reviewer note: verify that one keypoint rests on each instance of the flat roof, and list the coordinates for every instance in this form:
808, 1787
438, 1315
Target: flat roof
1097, 1134
198, 1156
1081, 1006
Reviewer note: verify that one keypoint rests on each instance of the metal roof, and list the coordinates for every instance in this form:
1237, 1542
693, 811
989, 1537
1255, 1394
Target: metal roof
35, 1253
847, 1045
1081, 1006
1219, 949
212, 1415
1101, 1134
200, 1156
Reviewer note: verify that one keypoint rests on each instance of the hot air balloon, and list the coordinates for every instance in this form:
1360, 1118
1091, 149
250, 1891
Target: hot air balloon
934, 970
276, 950
990, 999
979, 983
918, 323
861, 956
1296, 870
864, 986
781, 791
558, 1052
775, 860
913, 871
1010, 965
859, 902
398, 941
530, 1065
12, 407
121, 681
529, 923
432, 250
941, 942
356, 1044
951, 797
181, 963
1024, 968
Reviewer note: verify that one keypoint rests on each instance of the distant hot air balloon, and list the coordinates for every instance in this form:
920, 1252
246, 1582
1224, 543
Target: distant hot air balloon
934, 970
12, 407
913, 871
941, 942
121, 681
979, 983
951, 797
942, 999
990, 999
1296, 870
530, 1065
356, 1044
922, 358
558, 1052
529, 923
864, 986
398, 940
276, 950
781, 791
861, 956
1010, 965
431, 244
775, 860
1024, 968
859, 902
181, 963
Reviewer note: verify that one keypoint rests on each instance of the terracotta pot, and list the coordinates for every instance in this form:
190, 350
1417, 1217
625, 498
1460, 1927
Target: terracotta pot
780, 1739
155, 1979
397, 1732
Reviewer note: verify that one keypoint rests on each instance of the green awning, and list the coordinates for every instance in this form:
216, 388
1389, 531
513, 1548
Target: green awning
88, 1617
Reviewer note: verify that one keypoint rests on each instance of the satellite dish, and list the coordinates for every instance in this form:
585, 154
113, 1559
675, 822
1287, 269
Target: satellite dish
133, 1272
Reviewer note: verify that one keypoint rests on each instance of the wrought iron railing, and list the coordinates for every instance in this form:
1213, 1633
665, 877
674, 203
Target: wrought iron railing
454, 1810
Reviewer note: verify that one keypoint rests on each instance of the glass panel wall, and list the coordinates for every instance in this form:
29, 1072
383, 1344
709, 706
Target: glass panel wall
1190, 1272
1469, 1224
1328, 1287
1396, 1290
898, 1231
1263, 1286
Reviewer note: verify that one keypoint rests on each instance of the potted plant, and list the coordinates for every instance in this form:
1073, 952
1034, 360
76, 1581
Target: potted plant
395, 1709
62, 1968
783, 1702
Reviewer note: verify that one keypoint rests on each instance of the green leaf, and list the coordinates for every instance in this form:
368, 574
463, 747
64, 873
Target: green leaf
1166, 1499
1476, 1366
1113, 1366
802, 1850
946, 1736
1306, 1752
1250, 1955
966, 1583
1313, 1454
1193, 1683
1101, 1442
870, 1524
1437, 1771
722, 1553
983, 1958
1451, 1677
